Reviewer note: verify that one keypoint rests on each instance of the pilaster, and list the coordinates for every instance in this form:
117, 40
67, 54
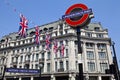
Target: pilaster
72, 59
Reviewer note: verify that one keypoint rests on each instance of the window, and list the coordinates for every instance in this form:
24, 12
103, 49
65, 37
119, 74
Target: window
66, 52
37, 57
37, 47
76, 53
43, 47
20, 66
61, 32
99, 35
61, 55
36, 66
33, 57
89, 45
56, 55
13, 51
101, 46
43, 37
14, 66
51, 28
14, 44
66, 31
11, 59
67, 65
23, 42
18, 42
30, 40
61, 26
50, 46
26, 66
88, 34
103, 67
102, 55
90, 55
16, 59
29, 57
26, 49
42, 56
32, 66
91, 66
86, 27
29, 49
5, 52
25, 58
21, 58
93, 78
33, 48
48, 67
55, 66
61, 42
76, 64
49, 55
17, 51
96, 28
66, 42
61, 64
40, 31
55, 33
22, 50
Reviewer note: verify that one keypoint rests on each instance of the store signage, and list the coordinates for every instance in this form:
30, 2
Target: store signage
82, 12
19, 70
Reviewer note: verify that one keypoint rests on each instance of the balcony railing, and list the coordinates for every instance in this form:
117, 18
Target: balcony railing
14, 63
27, 61
41, 60
61, 70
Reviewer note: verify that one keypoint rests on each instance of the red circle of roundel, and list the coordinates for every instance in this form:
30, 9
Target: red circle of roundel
82, 20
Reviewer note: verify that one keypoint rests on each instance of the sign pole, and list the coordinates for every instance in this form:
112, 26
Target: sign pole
40, 74
4, 72
117, 73
80, 66
78, 16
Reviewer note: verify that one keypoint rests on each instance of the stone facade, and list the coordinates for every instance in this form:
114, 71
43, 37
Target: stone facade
20, 52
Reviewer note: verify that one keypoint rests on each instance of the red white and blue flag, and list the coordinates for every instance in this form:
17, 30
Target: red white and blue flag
37, 35
62, 49
23, 26
55, 47
47, 40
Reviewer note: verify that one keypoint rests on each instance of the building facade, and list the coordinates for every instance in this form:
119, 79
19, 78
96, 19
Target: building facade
17, 52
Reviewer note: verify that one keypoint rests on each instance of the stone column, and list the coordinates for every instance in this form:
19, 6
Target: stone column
31, 77
52, 60
72, 77
20, 78
96, 58
112, 77
53, 77
99, 78
45, 64
84, 58
87, 77
109, 55
72, 59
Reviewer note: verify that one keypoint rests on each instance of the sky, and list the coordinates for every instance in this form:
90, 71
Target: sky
40, 12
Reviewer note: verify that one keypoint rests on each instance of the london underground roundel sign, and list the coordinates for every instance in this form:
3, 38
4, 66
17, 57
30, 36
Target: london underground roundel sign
77, 15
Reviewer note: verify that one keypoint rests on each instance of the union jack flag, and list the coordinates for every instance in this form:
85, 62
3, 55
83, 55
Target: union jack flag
62, 49
47, 40
37, 38
23, 26
55, 48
